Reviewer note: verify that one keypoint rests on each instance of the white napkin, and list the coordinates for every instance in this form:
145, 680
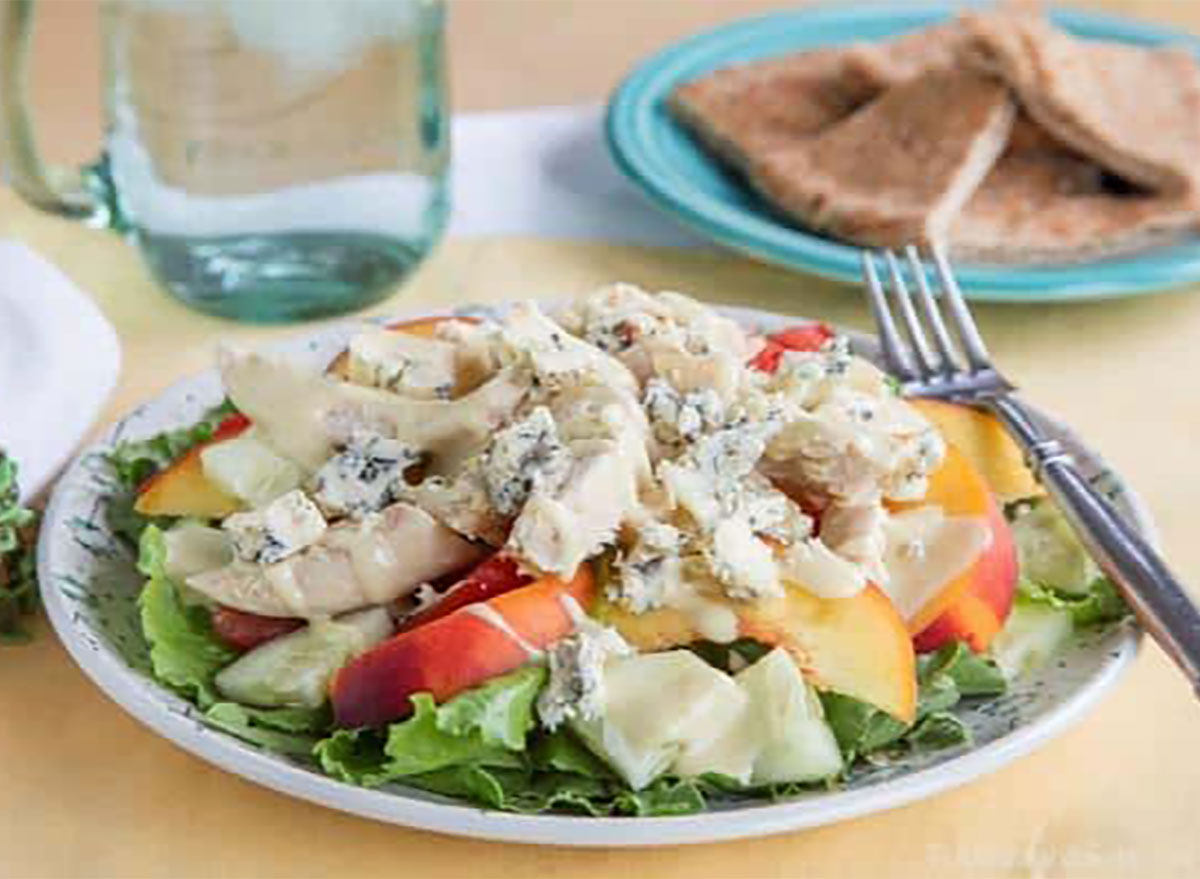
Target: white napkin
547, 172
59, 361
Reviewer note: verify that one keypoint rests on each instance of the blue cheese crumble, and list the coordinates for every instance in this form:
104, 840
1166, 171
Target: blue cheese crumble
575, 689
678, 419
648, 571
279, 530
523, 457
364, 477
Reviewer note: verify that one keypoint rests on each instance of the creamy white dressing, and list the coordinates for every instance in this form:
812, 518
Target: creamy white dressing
926, 550
573, 610
283, 581
491, 616
355, 564
304, 415
375, 558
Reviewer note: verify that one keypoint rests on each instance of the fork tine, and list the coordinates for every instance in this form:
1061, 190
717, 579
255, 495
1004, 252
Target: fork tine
895, 356
968, 332
933, 315
899, 289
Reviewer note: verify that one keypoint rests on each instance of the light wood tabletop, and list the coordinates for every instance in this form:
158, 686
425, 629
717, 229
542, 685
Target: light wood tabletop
583, 48
84, 790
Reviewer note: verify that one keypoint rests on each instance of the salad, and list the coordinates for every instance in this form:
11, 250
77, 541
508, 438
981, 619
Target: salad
630, 559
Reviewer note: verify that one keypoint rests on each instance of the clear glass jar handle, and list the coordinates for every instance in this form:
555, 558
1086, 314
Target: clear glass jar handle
67, 192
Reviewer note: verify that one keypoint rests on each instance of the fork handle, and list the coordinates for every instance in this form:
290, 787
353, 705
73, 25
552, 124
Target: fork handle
1160, 602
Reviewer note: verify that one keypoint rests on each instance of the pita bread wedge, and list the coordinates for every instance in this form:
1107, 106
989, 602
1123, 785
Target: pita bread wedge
768, 104
1049, 206
898, 170
891, 62
771, 103
1132, 110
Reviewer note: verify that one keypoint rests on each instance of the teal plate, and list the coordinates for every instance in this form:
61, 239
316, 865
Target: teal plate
661, 158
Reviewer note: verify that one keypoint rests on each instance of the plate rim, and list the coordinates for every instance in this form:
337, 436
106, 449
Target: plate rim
166, 714
632, 115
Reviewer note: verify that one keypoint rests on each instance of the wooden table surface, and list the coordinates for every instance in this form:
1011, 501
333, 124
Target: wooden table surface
583, 47
72, 804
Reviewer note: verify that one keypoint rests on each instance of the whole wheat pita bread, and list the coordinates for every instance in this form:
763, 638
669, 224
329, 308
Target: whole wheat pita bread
888, 63
772, 103
1049, 206
769, 104
1133, 110
898, 170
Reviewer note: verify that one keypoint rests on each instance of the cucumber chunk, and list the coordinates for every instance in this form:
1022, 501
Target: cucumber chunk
794, 743
295, 669
1049, 551
1032, 634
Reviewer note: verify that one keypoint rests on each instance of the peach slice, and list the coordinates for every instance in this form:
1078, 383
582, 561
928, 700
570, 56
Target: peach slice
857, 646
986, 444
974, 605
458, 651
182, 489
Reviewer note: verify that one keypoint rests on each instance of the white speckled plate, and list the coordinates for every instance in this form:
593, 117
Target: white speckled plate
89, 586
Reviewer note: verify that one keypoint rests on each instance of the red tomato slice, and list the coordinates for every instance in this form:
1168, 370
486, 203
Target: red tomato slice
230, 427
810, 337
245, 631
493, 576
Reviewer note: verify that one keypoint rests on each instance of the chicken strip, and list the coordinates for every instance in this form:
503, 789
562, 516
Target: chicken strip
355, 564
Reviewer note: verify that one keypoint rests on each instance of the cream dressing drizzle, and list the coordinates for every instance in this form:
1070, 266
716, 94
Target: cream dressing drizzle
576, 613
493, 618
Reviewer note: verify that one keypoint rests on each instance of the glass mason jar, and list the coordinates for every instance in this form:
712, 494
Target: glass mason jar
272, 159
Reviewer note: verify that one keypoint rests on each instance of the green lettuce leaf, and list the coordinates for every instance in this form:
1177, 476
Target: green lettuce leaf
292, 731
858, 726
184, 652
517, 790
494, 788
135, 461
970, 673
567, 792
355, 756
1100, 604
945, 677
665, 796
422, 744
561, 751
500, 711
486, 726
18, 578
940, 729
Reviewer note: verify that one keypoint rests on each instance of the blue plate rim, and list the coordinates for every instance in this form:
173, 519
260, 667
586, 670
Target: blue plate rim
631, 120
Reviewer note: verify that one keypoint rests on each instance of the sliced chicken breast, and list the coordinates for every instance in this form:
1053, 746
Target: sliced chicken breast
304, 416
355, 564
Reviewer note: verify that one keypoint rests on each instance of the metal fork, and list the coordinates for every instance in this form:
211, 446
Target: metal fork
928, 363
